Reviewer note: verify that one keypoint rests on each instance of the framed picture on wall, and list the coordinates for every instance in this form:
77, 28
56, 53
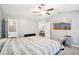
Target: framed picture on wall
64, 24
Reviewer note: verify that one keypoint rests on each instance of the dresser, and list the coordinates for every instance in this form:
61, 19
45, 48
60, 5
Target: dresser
42, 34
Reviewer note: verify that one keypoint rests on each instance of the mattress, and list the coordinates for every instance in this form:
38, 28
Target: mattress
34, 45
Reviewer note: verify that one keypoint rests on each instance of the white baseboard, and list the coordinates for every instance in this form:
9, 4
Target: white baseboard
75, 46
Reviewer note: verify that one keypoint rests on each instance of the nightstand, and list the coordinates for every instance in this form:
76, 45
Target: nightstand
67, 41
42, 34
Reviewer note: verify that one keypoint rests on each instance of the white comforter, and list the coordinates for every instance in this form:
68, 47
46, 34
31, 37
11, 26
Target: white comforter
30, 46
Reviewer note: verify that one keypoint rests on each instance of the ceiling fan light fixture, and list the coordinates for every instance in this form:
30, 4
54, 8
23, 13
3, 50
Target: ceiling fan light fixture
50, 9
42, 12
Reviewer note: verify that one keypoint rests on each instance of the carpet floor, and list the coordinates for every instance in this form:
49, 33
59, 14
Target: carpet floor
70, 51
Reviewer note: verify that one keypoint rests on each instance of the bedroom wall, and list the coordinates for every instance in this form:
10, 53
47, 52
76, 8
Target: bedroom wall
74, 32
0, 23
26, 26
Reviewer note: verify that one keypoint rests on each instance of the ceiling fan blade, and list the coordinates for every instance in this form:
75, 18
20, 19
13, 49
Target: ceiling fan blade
50, 9
43, 4
48, 13
39, 7
35, 12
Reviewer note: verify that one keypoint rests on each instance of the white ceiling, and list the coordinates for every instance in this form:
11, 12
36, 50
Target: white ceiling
25, 10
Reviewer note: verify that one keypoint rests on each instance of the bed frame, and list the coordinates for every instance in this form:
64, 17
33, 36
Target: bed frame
59, 51
27, 35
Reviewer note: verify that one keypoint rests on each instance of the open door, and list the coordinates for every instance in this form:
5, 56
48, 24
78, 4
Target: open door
12, 28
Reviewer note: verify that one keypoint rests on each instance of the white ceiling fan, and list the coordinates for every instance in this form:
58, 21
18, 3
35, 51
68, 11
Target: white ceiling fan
42, 10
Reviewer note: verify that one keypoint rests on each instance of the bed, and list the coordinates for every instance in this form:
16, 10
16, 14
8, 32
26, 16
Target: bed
33, 45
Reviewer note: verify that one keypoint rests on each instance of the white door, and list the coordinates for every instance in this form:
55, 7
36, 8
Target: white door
47, 30
12, 28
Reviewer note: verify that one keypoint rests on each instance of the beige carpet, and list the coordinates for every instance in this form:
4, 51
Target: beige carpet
70, 51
